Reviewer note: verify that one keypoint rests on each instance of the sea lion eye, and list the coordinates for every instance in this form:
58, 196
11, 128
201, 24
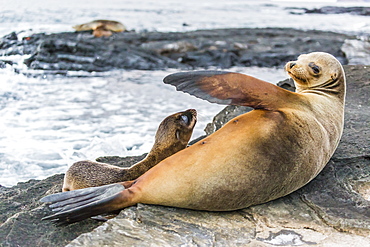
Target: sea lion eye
185, 119
314, 67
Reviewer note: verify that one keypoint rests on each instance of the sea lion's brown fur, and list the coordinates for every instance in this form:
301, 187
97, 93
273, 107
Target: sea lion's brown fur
101, 27
257, 157
173, 135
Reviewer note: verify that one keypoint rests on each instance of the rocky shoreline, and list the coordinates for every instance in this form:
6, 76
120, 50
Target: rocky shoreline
365, 11
333, 209
221, 48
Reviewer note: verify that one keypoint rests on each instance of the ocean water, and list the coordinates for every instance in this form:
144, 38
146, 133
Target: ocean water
170, 15
50, 121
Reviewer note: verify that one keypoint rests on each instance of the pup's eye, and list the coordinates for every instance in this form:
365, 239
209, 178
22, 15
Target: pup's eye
314, 67
185, 119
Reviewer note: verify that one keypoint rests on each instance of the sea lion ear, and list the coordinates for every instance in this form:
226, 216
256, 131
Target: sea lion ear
334, 76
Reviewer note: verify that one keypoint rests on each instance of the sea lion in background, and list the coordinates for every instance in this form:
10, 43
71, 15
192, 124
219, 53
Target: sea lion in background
256, 157
101, 27
173, 135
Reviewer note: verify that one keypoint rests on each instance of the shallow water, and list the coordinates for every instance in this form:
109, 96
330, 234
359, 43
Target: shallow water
50, 121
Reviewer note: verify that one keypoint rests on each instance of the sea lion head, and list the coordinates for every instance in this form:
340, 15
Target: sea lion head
317, 70
84, 27
175, 131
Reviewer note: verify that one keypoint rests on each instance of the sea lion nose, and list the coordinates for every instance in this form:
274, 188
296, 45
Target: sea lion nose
291, 65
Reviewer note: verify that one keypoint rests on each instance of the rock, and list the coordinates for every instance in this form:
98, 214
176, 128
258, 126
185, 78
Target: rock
146, 225
332, 210
222, 48
287, 84
225, 116
21, 212
334, 10
164, 47
75, 51
3, 63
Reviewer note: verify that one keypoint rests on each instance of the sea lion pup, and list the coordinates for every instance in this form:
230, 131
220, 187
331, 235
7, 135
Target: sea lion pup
101, 27
256, 157
173, 135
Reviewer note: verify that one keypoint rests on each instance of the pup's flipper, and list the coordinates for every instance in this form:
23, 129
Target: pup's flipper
76, 205
229, 88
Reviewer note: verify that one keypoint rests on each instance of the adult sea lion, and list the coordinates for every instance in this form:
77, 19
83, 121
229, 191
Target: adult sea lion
173, 135
257, 157
101, 27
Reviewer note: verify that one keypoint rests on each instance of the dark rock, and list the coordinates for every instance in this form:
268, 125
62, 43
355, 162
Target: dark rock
334, 10
340, 10
3, 63
21, 212
287, 84
332, 210
223, 48
8, 40
225, 116
68, 51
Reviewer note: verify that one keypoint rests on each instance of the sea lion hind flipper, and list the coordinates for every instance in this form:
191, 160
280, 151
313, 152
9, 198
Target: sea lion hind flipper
76, 205
228, 88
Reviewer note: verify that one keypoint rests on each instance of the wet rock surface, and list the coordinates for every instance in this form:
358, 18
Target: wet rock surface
223, 48
334, 10
21, 212
332, 210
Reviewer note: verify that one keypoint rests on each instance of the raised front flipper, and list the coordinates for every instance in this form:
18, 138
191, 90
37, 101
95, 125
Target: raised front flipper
229, 88
76, 205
